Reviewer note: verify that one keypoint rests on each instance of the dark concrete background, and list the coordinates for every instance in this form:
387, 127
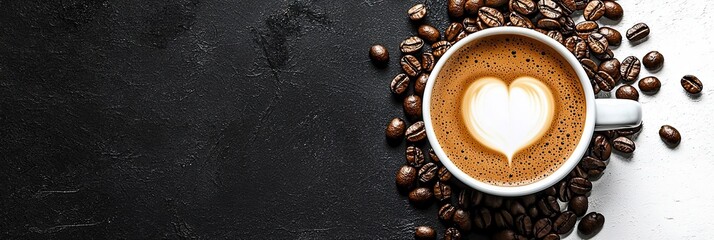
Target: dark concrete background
200, 119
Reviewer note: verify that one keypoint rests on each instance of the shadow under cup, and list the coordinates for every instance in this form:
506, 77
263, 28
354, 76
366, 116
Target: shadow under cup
549, 158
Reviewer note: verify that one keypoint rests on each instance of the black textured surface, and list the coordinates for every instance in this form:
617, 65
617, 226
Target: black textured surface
200, 119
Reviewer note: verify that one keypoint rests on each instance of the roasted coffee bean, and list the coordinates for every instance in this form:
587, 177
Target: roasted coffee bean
432, 156
428, 33
420, 83
502, 219
601, 148
594, 10
446, 212
452, 31
589, 66
412, 106
614, 38
549, 24
611, 67
476, 198
570, 42
607, 55
379, 55
417, 12
427, 62
569, 6
410, 65
580, 186
609, 134
420, 196
627, 92
548, 206
406, 176
581, 4
470, 24
399, 84
528, 200
442, 191
415, 157
462, 219
472, 6
482, 218
670, 135
597, 43
591, 223
565, 222
428, 172
578, 205
520, 21
564, 194
452, 234
542, 227
593, 166
455, 8
395, 128
523, 225
495, 3
411, 45
491, 17
525, 7
653, 61
649, 84
533, 212
440, 47
424, 233
461, 35
444, 174
463, 199
516, 208
507, 235
567, 25
605, 81
613, 10
550, 8
630, 69
416, 132
629, 131
691, 84
555, 35
581, 50
492, 201
550, 191
623, 144
586, 28
551, 236
541, 31
578, 172
637, 32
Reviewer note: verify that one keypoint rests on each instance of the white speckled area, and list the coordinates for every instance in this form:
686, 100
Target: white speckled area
658, 192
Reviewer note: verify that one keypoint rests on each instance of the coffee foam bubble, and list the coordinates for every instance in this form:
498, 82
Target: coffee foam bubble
508, 58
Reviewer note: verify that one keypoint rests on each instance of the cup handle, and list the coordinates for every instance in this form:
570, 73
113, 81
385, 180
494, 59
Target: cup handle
613, 114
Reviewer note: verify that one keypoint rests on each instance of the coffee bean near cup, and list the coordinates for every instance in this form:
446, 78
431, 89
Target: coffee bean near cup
510, 111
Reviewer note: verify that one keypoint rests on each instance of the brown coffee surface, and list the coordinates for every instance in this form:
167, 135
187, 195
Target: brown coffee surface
508, 57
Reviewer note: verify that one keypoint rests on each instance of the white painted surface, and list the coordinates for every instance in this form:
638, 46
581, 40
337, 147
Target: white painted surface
658, 192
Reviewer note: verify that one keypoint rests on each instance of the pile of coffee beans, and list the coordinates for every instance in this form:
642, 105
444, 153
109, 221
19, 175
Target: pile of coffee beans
463, 210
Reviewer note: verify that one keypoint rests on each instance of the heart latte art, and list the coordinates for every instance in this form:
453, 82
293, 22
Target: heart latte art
508, 118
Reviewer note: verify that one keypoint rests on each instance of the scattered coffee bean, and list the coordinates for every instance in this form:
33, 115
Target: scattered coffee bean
476, 198
586, 28
637, 32
520, 21
629, 131
609, 134
412, 106
613, 10
492, 201
630, 69
578, 172
528, 200
416, 132
611, 67
491, 17
395, 128
551, 236
578, 205
590, 67
440, 47
542, 227
463, 200
614, 38
601, 147
428, 172
461, 35
420, 196
605, 81
432, 156
692, 84
564, 193
550, 8
627, 92
565, 222
567, 25
577, 46
410, 65
568, 6
411, 45
591, 223
428, 33
649, 84
597, 43
550, 191
581, 4
507, 235
470, 25
415, 157
594, 10
623, 144
427, 62
455, 8
379, 55
482, 218
516, 208
452, 31
424, 233
555, 35
607, 55
593, 166
452, 234
670, 135
462, 219
548, 206
653, 61
442, 191
495, 3
533, 212
420, 83
580, 186
417, 12
399, 84
444, 174
549, 24
524, 7
502, 219
406, 176
523, 225
446, 212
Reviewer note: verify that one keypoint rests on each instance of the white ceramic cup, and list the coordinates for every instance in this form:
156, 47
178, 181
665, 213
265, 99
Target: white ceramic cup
601, 114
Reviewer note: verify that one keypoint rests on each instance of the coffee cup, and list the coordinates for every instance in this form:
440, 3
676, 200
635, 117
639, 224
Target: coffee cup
597, 114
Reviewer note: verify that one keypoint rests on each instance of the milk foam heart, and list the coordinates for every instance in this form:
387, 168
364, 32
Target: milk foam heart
508, 118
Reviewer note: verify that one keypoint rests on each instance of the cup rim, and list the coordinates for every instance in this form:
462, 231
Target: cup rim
566, 167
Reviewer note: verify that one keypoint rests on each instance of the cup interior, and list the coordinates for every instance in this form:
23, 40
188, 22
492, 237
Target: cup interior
566, 167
